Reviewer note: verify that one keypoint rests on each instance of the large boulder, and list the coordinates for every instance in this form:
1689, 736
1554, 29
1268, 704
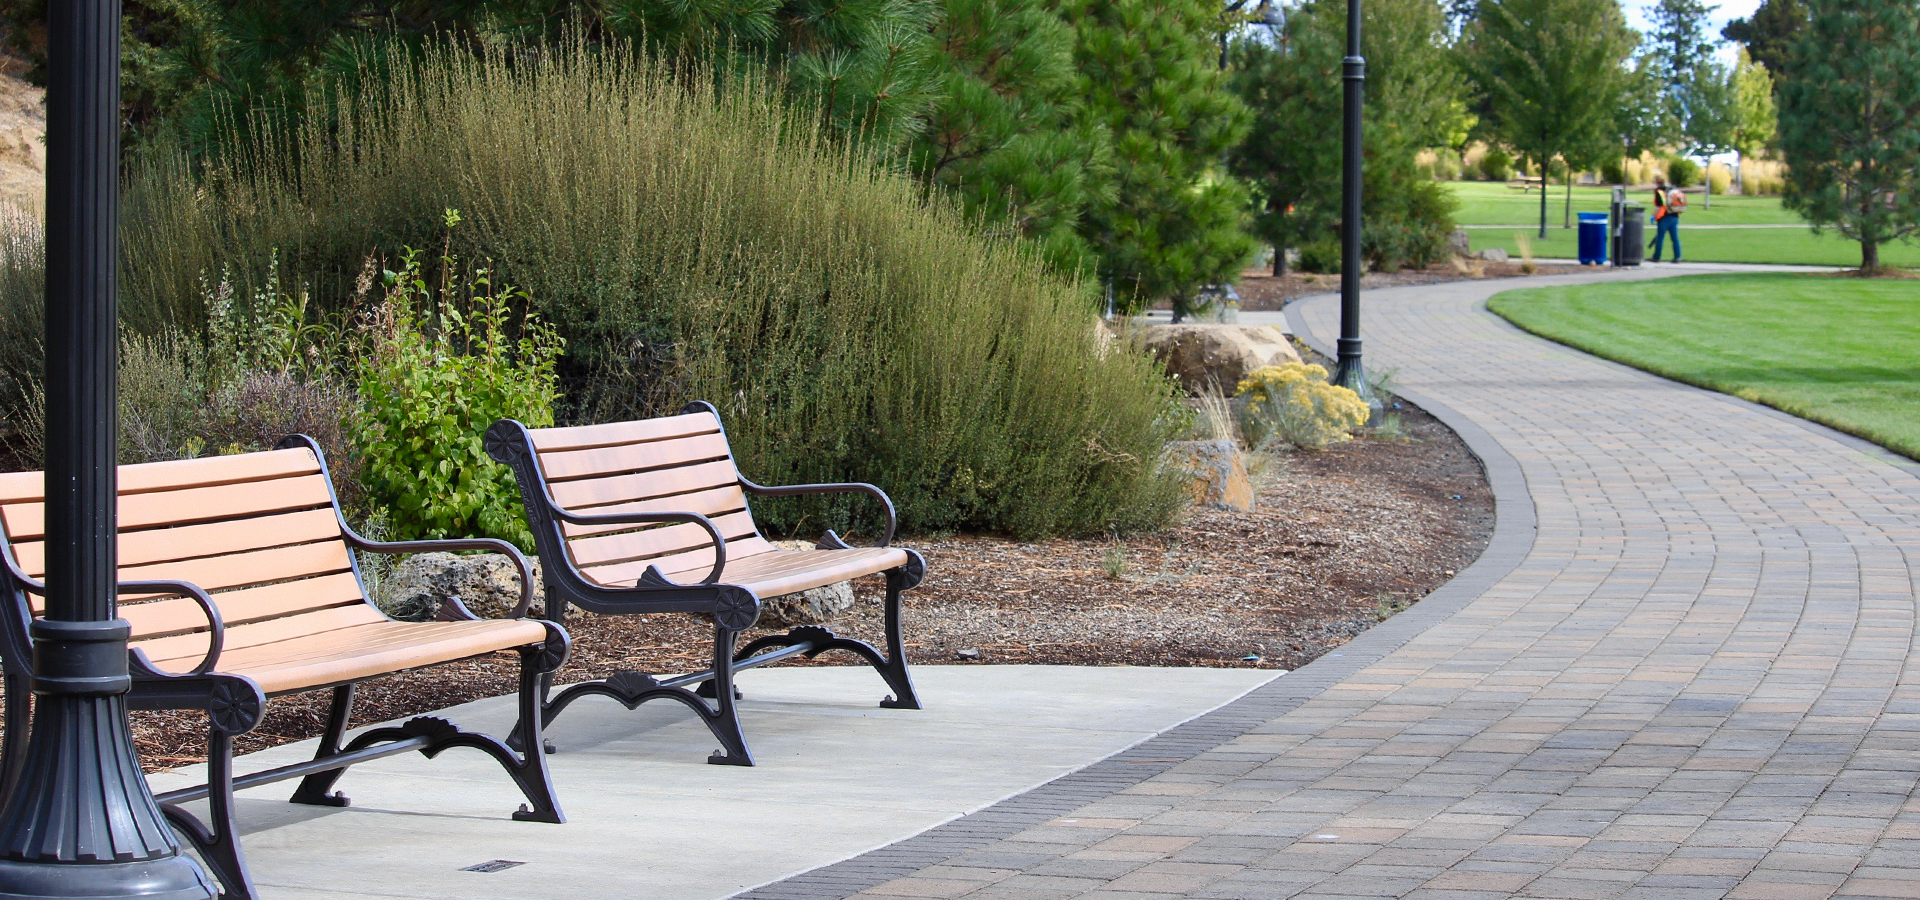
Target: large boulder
1494, 254
1460, 242
1216, 472
1216, 356
486, 583
817, 606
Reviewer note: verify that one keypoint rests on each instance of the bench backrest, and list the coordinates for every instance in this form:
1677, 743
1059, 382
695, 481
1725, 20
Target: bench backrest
258, 531
675, 464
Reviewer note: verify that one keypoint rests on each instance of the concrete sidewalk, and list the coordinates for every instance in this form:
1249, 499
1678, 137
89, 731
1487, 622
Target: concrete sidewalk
648, 818
1682, 670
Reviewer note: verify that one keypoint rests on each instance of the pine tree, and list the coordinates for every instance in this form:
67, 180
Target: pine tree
1005, 137
1415, 99
1770, 33
1696, 86
1679, 38
1552, 72
1169, 220
1850, 122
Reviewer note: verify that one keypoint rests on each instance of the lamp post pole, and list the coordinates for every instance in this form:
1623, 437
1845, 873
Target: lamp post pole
80, 821
1350, 372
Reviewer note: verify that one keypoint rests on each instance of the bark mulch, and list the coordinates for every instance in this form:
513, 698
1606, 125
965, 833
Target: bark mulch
1260, 290
1341, 539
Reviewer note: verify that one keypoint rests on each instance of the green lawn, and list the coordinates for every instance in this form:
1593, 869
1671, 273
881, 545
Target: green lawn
1837, 350
1489, 203
1493, 203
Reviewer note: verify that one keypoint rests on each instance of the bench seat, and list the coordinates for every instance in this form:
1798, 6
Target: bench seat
346, 652
779, 572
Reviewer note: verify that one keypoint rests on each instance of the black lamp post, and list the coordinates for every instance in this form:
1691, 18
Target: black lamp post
80, 821
1350, 371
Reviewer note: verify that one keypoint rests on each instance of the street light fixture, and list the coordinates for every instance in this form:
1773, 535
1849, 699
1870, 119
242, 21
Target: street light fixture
1350, 371
79, 821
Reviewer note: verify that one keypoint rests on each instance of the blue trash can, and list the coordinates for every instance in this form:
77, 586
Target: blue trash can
1593, 238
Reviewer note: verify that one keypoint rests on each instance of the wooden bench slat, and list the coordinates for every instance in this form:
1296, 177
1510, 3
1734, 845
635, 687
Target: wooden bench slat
158, 618
711, 502
789, 571
190, 647
618, 460
692, 564
27, 521
584, 495
18, 487
371, 650
658, 541
255, 567
578, 437
140, 548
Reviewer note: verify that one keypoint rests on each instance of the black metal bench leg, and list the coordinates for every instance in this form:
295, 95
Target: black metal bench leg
13, 750
724, 721
218, 844
895, 671
313, 788
532, 774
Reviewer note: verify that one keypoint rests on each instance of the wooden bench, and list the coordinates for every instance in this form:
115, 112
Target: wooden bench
1527, 183
239, 581
652, 517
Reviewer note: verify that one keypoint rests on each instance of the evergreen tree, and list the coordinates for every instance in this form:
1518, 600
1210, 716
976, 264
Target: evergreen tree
1005, 137
1171, 220
1696, 86
1770, 33
1552, 72
1850, 122
1679, 39
1415, 99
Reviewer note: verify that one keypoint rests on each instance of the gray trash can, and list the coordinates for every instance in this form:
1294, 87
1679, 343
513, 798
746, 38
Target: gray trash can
1632, 249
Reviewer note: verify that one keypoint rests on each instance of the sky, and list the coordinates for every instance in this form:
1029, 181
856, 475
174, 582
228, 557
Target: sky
1728, 11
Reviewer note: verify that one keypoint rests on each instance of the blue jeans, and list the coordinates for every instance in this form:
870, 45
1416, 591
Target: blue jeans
1667, 225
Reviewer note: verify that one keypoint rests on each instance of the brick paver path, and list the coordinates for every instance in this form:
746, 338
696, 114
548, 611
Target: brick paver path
1692, 681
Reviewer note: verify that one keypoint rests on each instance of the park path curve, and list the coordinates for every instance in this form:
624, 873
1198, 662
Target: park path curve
1682, 670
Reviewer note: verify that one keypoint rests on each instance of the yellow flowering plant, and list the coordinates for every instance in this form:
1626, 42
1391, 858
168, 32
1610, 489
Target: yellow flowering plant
1294, 403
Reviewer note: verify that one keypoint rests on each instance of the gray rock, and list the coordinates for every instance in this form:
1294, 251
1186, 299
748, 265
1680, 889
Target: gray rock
1494, 254
487, 583
1217, 472
1460, 242
817, 606
1203, 356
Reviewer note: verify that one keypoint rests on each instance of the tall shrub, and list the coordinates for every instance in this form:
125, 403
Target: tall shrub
1004, 135
697, 238
1170, 220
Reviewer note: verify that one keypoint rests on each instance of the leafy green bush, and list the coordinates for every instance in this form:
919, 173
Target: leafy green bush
1614, 171
1294, 403
692, 238
440, 366
1683, 172
1497, 165
1322, 257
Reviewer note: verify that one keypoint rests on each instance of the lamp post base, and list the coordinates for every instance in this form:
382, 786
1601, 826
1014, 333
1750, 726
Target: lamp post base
175, 877
1351, 373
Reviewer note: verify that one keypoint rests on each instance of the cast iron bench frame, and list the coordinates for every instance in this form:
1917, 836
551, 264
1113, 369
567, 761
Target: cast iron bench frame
235, 703
732, 605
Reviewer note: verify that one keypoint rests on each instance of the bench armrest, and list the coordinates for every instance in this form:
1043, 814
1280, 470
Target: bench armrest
498, 546
654, 518
217, 627
795, 490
